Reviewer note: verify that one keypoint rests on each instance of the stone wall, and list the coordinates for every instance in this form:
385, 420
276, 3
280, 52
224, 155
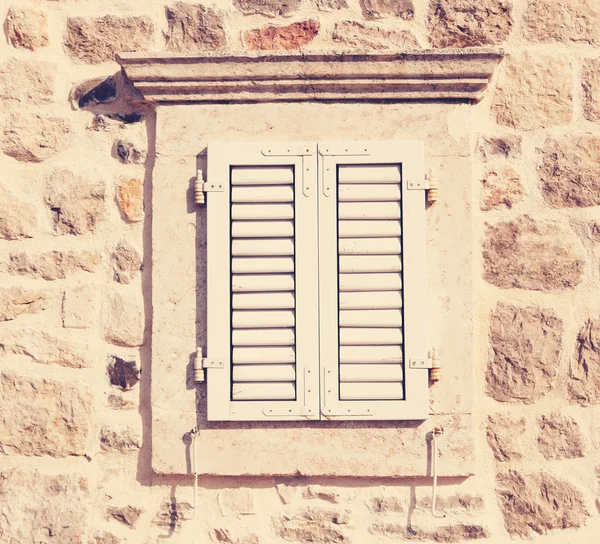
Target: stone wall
77, 163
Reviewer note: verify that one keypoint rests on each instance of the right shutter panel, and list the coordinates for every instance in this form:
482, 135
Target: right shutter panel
371, 258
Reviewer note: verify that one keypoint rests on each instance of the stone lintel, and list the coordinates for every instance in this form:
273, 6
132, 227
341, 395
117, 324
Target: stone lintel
458, 75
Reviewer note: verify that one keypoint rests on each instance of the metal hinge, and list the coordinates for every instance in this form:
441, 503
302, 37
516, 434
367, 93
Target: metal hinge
288, 150
201, 187
200, 363
423, 362
417, 184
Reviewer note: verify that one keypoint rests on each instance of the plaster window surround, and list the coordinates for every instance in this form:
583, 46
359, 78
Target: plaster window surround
253, 98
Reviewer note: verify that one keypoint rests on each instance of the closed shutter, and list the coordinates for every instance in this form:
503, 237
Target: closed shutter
372, 281
262, 282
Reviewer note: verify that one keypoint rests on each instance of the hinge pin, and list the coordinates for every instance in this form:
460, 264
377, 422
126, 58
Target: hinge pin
198, 366
435, 372
199, 188
433, 192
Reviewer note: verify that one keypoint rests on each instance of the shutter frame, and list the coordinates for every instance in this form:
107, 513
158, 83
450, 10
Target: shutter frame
222, 159
410, 155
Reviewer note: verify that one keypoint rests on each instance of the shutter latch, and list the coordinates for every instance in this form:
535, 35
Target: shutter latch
201, 187
200, 363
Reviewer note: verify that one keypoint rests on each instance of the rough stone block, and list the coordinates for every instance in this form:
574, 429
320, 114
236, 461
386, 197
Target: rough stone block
405, 9
591, 89
52, 265
51, 348
24, 82
313, 525
43, 417
504, 435
547, 21
527, 345
529, 254
130, 198
534, 90
331, 5
97, 39
80, 307
501, 188
119, 439
93, 92
559, 437
538, 502
33, 137
384, 504
26, 28
124, 319
499, 147
17, 301
194, 27
130, 152
463, 23
368, 36
124, 374
43, 508
293, 36
126, 262
127, 515
270, 8
584, 375
76, 204
569, 171
236, 501
18, 218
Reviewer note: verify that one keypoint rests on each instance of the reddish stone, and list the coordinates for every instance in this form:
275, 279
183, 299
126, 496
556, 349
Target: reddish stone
287, 37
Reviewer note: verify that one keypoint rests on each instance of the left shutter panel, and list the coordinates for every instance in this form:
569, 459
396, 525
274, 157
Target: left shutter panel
261, 294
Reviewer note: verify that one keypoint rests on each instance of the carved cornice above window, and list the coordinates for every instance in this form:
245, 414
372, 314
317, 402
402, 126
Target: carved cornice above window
451, 74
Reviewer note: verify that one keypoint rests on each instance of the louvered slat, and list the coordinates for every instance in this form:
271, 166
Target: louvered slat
370, 284
263, 297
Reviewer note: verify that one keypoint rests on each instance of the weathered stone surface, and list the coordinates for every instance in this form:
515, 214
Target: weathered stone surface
328, 494
46, 348
526, 254
43, 417
32, 137
534, 90
172, 514
125, 318
591, 89
105, 537
526, 344
569, 171
94, 92
97, 39
118, 402
584, 375
501, 188
17, 301
130, 152
42, 508
394, 530
503, 147
26, 28
122, 373
52, 265
76, 204
459, 532
356, 34
384, 504
559, 437
111, 121
504, 435
287, 493
131, 199
119, 439
225, 536
458, 504
25, 82
570, 21
331, 5
293, 36
17, 218
313, 525
538, 502
128, 515
236, 501
271, 8
80, 307
405, 9
126, 262
194, 27
462, 23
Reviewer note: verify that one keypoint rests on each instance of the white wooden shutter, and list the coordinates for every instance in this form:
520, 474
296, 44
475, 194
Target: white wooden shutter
262, 282
372, 281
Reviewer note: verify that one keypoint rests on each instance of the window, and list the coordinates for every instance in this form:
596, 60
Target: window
316, 281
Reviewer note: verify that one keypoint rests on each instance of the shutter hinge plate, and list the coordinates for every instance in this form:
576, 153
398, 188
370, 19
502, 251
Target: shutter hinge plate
423, 362
417, 185
212, 363
344, 149
212, 187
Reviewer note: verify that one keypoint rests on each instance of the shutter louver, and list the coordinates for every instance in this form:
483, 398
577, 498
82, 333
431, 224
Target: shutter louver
370, 230
263, 303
